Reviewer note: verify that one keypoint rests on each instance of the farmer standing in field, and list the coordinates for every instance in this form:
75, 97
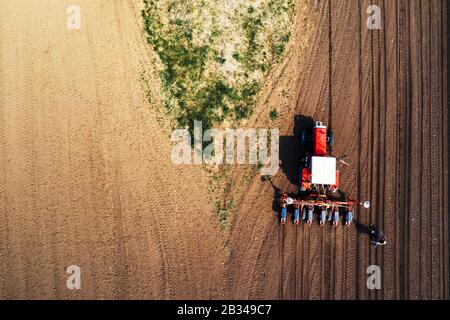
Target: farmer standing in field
377, 239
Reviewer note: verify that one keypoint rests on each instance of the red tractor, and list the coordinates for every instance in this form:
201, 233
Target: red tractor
319, 183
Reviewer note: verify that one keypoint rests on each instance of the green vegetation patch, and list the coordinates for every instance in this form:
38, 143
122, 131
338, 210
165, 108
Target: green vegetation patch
215, 55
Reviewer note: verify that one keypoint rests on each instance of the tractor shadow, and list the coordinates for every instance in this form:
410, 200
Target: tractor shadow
292, 150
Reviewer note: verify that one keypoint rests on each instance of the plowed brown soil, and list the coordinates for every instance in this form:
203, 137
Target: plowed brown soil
86, 177
384, 93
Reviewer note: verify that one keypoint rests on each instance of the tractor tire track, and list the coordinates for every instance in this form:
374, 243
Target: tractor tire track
426, 154
359, 143
366, 146
445, 132
416, 163
384, 152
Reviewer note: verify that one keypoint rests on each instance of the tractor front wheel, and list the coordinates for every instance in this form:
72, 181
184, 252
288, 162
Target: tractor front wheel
330, 138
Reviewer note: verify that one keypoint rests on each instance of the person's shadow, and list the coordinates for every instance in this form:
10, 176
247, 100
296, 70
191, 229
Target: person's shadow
361, 228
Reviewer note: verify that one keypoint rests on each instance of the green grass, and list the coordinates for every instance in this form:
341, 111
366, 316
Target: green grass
192, 73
